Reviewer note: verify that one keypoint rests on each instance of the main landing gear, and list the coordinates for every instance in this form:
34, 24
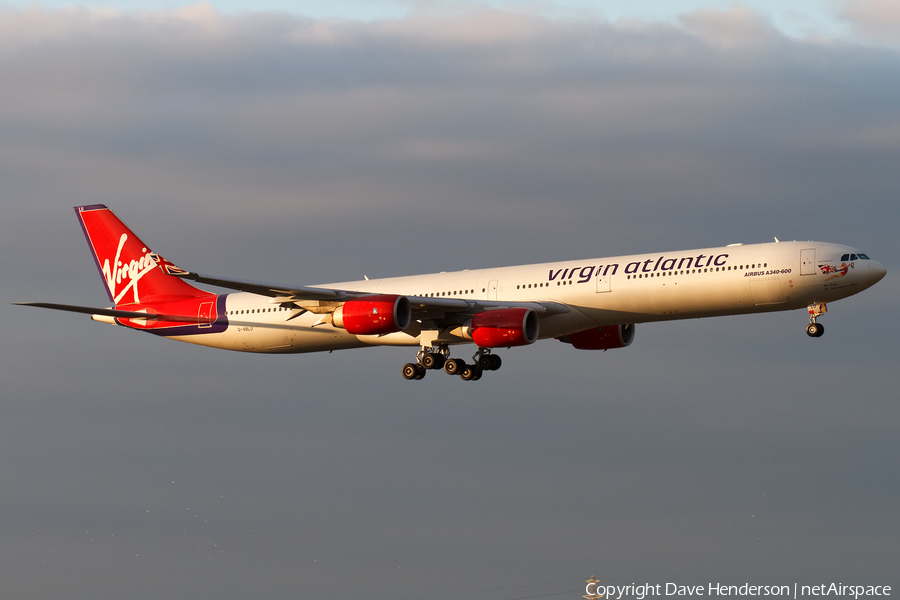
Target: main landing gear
427, 358
439, 358
814, 329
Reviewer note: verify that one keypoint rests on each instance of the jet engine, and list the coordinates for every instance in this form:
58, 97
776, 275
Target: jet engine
601, 338
502, 327
373, 315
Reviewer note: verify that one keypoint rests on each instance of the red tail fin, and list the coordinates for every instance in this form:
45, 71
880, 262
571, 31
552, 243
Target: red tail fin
130, 273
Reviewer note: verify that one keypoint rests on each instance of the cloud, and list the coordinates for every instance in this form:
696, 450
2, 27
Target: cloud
490, 110
876, 20
736, 26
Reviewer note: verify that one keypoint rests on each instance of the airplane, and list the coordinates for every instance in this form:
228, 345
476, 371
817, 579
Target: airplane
591, 304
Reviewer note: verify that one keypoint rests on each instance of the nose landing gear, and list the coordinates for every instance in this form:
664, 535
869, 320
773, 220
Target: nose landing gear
814, 329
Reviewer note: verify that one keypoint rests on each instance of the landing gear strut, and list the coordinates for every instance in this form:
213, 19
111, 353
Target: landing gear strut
814, 329
486, 361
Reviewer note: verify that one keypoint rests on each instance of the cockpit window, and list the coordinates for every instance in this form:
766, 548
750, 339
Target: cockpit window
863, 257
849, 257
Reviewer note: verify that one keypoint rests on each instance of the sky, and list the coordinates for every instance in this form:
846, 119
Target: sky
286, 145
798, 17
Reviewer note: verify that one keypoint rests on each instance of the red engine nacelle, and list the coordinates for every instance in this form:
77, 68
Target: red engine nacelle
505, 327
601, 338
373, 315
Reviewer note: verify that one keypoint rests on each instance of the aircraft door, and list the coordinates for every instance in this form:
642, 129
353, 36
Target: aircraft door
603, 284
808, 261
206, 314
492, 289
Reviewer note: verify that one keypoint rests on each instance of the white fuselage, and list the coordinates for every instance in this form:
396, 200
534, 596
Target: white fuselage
663, 286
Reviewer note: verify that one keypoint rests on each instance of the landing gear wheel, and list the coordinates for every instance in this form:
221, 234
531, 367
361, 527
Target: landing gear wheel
429, 360
439, 360
413, 371
454, 366
495, 362
815, 330
470, 373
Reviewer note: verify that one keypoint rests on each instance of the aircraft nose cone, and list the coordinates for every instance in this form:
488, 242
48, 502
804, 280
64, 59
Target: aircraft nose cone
878, 271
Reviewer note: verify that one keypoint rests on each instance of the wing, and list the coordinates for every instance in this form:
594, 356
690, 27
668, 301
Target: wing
326, 300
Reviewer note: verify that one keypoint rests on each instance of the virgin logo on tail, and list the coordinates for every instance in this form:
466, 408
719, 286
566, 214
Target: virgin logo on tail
129, 273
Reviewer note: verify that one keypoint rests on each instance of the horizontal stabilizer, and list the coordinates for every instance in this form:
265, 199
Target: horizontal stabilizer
134, 315
111, 312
